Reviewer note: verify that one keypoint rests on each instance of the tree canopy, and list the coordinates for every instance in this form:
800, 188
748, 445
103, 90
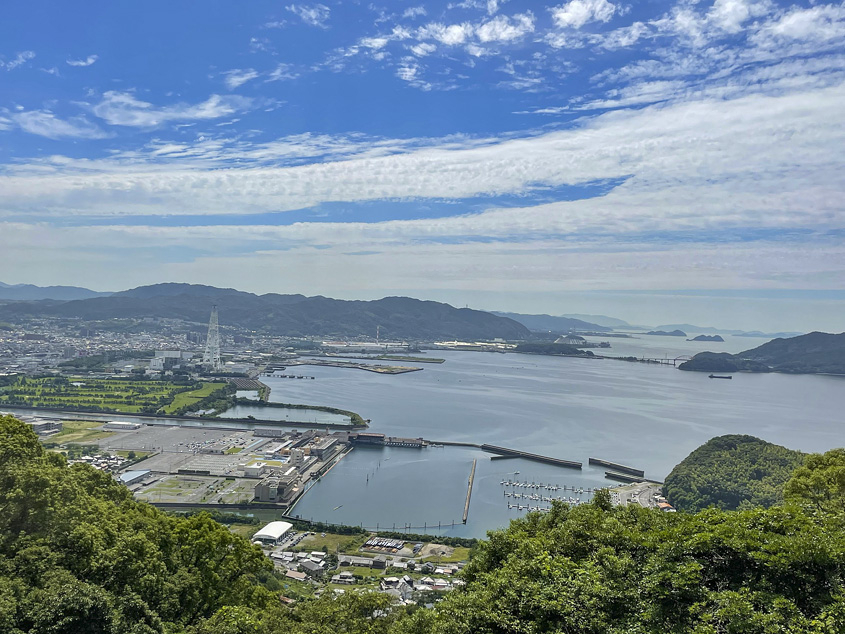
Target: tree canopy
79, 555
731, 472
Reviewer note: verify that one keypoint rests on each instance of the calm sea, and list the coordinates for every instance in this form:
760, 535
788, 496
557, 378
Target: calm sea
645, 416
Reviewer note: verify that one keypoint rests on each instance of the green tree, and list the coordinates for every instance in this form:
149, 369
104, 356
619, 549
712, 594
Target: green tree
820, 483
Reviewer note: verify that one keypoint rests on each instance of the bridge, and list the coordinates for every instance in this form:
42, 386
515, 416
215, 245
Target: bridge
666, 360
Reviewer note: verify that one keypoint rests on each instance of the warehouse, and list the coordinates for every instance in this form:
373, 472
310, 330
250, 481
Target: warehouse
272, 533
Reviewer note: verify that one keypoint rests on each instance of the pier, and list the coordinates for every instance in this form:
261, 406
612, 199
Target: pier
469, 490
616, 467
504, 451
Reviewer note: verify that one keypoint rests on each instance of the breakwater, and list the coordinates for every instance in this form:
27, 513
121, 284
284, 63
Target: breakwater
616, 467
469, 490
505, 451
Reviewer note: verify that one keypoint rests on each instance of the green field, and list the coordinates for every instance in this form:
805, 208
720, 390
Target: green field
80, 432
460, 554
189, 398
113, 395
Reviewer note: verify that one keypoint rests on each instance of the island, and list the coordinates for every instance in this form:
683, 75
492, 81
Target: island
671, 333
813, 353
716, 338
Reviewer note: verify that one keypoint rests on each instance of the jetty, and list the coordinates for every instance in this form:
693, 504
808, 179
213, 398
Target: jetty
627, 478
469, 489
504, 451
620, 468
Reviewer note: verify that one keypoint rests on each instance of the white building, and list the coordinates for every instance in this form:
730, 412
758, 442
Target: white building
272, 533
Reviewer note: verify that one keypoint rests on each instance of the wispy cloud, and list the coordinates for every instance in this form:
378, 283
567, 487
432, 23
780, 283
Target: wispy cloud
314, 15
125, 109
413, 12
46, 124
19, 60
83, 62
238, 77
282, 72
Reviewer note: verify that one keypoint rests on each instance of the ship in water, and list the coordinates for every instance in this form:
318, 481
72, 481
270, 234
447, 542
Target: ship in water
720, 376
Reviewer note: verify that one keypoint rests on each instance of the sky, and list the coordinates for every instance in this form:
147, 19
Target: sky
660, 162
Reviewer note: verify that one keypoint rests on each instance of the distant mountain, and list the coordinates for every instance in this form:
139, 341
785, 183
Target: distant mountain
665, 333
601, 320
546, 323
725, 331
290, 315
814, 353
30, 292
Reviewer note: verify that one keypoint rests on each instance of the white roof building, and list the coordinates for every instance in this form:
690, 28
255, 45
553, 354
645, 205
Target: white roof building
273, 532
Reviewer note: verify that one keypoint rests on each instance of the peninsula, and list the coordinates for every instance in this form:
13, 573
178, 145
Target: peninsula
814, 353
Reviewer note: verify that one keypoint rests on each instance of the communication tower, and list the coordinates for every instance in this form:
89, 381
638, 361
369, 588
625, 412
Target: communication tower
212, 342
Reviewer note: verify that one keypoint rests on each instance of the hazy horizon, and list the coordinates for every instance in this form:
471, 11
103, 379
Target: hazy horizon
788, 310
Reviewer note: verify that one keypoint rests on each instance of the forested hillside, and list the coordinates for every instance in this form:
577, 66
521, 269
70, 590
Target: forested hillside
78, 555
731, 472
288, 315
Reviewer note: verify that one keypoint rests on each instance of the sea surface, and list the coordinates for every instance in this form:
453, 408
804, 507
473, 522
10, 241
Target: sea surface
646, 416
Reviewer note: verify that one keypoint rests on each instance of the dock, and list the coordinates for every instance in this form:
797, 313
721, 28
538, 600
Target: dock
616, 467
469, 490
504, 451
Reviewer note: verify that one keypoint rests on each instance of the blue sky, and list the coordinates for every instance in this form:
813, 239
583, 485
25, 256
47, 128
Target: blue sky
508, 155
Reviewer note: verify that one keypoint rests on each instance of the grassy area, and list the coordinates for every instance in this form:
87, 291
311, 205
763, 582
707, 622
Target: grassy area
461, 553
80, 432
139, 455
244, 530
232, 450
333, 543
189, 398
114, 395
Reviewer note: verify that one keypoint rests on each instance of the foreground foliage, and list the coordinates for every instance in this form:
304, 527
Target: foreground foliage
77, 554
731, 472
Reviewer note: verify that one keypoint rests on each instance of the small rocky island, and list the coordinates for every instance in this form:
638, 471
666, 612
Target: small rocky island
814, 353
663, 333
716, 338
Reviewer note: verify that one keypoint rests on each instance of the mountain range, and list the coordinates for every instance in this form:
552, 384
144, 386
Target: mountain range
30, 292
813, 353
287, 315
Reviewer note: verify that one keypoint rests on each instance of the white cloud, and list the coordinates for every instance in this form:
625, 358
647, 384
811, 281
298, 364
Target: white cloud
493, 6
423, 48
821, 23
505, 29
20, 59
450, 35
374, 42
577, 13
83, 62
238, 77
124, 109
704, 164
314, 15
282, 72
46, 124
623, 37
413, 12
731, 15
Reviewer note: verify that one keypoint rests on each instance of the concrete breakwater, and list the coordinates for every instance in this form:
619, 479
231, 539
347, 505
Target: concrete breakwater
616, 467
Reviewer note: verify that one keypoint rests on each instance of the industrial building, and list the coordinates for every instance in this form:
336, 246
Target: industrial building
272, 533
